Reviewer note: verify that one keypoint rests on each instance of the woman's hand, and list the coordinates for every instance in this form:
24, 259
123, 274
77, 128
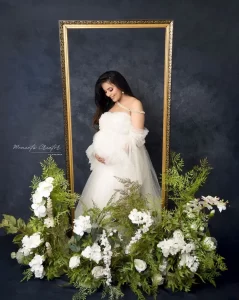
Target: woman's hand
100, 159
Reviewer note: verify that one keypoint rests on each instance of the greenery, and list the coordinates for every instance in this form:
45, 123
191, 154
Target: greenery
56, 255
125, 243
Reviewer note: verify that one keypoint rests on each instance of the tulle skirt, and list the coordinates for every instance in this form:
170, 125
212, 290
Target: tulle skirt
134, 163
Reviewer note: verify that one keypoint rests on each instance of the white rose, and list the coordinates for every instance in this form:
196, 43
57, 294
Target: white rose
36, 261
40, 211
35, 240
74, 262
98, 272
45, 188
209, 243
96, 253
26, 245
157, 279
140, 265
92, 252
36, 205
82, 224
37, 197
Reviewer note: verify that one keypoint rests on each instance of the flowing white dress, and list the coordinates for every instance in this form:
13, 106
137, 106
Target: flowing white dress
122, 147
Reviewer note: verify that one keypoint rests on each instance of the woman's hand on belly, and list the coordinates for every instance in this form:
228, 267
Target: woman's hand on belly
100, 159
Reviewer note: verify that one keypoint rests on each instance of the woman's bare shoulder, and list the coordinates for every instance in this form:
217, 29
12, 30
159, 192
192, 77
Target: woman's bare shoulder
136, 104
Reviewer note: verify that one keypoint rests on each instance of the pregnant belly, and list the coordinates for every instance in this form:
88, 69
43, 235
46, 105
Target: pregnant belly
107, 144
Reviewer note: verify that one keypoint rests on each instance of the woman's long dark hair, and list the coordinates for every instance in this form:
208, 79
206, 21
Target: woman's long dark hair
103, 102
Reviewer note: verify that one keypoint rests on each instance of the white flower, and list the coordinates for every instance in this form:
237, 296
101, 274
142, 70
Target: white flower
26, 242
209, 243
19, 256
188, 248
92, 252
157, 279
45, 188
138, 217
82, 224
39, 271
175, 245
209, 200
140, 265
107, 254
190, 261
36, 266
36, 240
49, 180
26, 251
13, 255
31, 242
37, 197
39, 210
74, 262
36, 261
98, 272
221, 206
171, 246
49, 222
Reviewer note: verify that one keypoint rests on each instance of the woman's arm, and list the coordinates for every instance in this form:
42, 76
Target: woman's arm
137, 118
137, 132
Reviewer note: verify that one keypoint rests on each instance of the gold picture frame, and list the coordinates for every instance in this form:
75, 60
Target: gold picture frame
64, 26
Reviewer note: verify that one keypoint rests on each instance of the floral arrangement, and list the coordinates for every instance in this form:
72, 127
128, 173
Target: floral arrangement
125, 243
43, 240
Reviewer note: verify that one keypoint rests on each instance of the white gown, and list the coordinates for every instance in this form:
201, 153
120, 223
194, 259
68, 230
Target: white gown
122, 147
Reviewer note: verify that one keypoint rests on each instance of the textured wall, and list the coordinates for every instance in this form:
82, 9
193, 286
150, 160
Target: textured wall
204, 101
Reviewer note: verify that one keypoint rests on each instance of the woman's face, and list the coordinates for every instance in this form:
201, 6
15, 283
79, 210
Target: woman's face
112, 91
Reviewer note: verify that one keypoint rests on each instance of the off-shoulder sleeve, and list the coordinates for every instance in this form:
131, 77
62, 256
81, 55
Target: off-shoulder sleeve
137, 136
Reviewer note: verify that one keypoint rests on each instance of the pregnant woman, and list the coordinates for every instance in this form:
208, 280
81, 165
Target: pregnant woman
118, 147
